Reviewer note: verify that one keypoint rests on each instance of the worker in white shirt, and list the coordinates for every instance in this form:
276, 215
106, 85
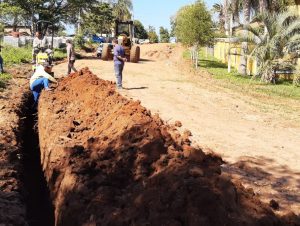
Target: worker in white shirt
39, 43
40, 80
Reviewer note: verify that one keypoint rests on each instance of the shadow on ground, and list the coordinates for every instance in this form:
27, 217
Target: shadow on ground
133, 88
212, 64
268, 180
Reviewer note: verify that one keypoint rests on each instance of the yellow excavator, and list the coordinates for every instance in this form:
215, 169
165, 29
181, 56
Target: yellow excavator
124, 32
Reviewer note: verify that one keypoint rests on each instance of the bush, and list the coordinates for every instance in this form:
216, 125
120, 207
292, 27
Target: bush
12, 55
79, 40
296, 80
60, 54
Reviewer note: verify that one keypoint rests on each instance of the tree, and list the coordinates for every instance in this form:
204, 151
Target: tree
139, 30
122, 9
55, 11
219, 8
98, 19
173, 25
164, 35
193, 25
152, 35
275, 46
12, 15
1, 30
246, 12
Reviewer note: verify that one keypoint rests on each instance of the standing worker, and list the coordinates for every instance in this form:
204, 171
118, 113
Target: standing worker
40, 80
1, 62
70, 56
39, 43
119, 61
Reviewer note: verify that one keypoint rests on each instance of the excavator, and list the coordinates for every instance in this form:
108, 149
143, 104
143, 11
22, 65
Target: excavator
44, 54
124, 32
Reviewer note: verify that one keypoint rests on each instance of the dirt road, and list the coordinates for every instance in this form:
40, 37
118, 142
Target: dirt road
259, 140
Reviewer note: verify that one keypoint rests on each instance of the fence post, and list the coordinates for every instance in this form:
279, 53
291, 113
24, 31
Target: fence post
197, 56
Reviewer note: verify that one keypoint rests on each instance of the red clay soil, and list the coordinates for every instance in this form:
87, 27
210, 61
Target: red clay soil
108, 161
12, 205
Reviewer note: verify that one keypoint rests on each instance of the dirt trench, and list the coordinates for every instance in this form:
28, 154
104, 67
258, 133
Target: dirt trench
39, 208
24, 196
108, 161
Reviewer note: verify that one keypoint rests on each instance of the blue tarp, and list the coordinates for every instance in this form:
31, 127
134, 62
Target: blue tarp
98, 39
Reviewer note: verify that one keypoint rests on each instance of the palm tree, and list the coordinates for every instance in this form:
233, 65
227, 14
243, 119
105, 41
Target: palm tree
263, 5
275, 49
277, 5
226, 15
122, 9
219, 8
246, 12
236, 7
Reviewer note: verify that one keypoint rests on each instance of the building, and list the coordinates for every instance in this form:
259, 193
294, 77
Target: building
24, 30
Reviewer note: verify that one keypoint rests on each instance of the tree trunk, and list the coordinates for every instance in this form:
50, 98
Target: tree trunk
236, 11
226, 15
263, 6
244, 50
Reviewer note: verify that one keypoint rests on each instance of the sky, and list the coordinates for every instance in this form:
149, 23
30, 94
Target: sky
158, 12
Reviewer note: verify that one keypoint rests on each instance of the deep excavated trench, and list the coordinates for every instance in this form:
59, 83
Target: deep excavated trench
39, 207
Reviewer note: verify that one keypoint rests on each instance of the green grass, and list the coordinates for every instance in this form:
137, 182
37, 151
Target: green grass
60, 54
13, 55
235, 81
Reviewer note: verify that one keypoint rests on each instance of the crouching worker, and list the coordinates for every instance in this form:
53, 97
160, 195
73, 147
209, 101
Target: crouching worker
40, 80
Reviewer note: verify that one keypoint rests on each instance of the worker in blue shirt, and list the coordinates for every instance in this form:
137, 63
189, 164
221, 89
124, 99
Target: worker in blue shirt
119, 61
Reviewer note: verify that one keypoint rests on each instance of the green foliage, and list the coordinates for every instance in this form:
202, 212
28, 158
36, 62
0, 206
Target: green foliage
12, 55
11, 14
61, 31
173, 25
60, 54
219, 8
98, 20
56, 11
122, 9
79, 40
164, 35
153, 37
1, 30
193, 24
276, 41
139, 30
244, 84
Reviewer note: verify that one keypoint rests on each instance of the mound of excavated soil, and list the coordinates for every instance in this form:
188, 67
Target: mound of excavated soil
159, 54
108, 161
